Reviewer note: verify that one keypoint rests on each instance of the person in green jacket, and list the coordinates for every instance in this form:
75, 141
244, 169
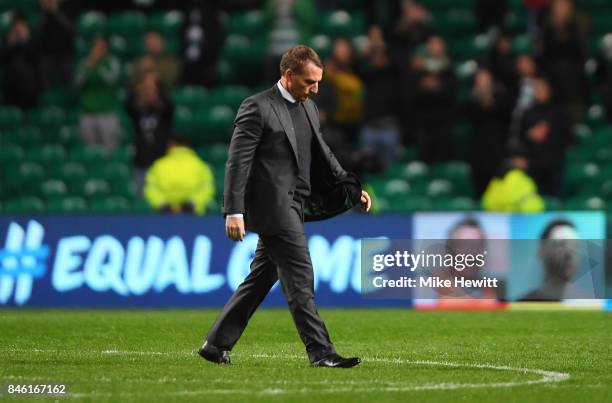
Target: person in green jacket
97, 77
179, 182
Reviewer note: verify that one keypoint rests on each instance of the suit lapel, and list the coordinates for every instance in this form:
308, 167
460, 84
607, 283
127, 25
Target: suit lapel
313, 119
279, 107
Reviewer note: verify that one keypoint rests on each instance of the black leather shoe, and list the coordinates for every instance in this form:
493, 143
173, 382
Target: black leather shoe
214, 354
335, 361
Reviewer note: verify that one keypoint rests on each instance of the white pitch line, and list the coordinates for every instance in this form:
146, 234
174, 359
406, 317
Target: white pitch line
546, 377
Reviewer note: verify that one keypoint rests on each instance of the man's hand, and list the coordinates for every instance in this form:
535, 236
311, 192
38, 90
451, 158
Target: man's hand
366, 201
234, 228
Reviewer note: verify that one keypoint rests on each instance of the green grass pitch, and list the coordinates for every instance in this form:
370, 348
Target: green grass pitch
133, 356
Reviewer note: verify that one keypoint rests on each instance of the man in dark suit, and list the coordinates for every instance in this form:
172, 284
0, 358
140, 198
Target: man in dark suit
279, 174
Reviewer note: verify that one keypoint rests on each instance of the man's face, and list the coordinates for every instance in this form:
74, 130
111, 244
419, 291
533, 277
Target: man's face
302, 85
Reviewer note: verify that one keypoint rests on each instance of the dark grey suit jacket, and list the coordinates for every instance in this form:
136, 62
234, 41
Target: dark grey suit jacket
262, 167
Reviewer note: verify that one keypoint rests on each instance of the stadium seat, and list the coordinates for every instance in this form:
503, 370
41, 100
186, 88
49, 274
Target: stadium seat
217, 125
585, 203
91, 23
95, 188
396, 188
10, 117
72, 173
249, 23
214, 153
89, 154
454, 204
582, 178
458, 173
140, 205
66, 205
410, 204
47, 117
48, 154
230, 95
191, 96
127, 23
123, 154
111, 171
168, 22
63, 97
25, 136
10, 154
184, 123
553, 204
25, 179
23, 205
322, 44
440, 188
341, 24
53, 188
68, 136
109, 205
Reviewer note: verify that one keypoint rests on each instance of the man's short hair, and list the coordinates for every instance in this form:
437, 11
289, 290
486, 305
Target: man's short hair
296, 57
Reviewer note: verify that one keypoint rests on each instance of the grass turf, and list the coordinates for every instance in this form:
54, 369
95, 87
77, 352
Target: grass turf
407, 356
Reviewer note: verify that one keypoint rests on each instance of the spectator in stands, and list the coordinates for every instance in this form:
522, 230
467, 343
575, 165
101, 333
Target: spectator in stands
412, 28
201, 42
339, 74
151, 113
380, 131
432, 82
179, 182
501, 61
604, 74
56, 44
545, 134
563, 54
526, 71
22, 79
488, 110
97, 77
535, 12
491, 14
156, 59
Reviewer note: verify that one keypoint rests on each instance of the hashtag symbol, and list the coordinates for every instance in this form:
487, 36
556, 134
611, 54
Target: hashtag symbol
21, 261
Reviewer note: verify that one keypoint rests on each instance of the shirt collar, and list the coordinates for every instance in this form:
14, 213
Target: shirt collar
286, 94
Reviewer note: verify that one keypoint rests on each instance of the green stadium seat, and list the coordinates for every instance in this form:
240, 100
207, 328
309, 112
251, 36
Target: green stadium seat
214, 154
127, 23
25, 136
95, 188
10, 116
380, 205
53, 188
112, 172
395, 188
24, 205
140, 205
522, 44
63, 97
91, 23
226, 72
249, 23
410, 204
191, 96
322, 44
110, 205
553, 204
230, 95
582, 178
217, 124
595, 116
48, 154
440, 188
458, 173
585, 203
72, 173
25, 179
123, 188
47, 117
185, 123
169, 22
10, 154
340, 23
454, 204
68, 136
89, 155
123, 154
66, 205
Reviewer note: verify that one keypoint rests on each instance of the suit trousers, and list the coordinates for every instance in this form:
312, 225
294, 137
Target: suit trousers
283, 256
